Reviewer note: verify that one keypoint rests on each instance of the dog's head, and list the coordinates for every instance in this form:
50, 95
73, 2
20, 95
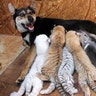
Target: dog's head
24, 17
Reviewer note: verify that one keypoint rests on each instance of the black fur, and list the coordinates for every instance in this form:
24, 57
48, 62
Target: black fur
45, 25
17, 11
91, 52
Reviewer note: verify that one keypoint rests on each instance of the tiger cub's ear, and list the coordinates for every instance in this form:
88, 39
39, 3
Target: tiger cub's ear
78, 34
49, 40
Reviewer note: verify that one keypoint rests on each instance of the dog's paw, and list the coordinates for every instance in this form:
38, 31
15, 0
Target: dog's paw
15, 94
19, 80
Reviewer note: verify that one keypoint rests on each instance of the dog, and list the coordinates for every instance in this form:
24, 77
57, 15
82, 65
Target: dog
30, 25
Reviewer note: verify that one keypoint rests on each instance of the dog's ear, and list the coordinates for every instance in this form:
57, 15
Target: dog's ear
11, 8
33, 5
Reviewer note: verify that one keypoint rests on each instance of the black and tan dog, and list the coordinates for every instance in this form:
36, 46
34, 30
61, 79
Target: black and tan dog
30, 26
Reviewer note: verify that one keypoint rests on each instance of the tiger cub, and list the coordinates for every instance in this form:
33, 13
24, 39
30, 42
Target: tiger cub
65, 72
31, 79
86, 71
53, 59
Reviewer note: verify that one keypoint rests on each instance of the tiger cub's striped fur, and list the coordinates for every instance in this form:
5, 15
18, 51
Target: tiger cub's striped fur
86, 71
65, 72
53, 59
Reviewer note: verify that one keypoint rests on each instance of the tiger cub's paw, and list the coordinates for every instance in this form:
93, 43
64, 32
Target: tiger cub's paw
15, 94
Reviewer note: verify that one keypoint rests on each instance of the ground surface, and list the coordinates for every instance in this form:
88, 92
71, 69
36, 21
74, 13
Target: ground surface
8, 77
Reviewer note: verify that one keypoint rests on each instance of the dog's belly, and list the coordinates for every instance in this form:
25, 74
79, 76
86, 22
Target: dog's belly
45, 25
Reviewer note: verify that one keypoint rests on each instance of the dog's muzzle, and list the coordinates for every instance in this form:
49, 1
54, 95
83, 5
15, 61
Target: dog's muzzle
28, 26
30, 19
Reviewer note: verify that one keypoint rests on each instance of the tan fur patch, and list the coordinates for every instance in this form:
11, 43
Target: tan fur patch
54, 56
86, 70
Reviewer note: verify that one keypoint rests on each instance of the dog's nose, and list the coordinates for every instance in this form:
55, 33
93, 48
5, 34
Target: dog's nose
30, 19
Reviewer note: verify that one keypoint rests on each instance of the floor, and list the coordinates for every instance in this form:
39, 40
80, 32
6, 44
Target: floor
9, 76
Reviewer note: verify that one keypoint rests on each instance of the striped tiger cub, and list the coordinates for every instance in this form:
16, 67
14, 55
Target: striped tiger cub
85, 69
65, 73
53, 59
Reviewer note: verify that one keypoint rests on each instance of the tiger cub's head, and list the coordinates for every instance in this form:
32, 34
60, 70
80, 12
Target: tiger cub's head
42, 44
58, 35
72, 41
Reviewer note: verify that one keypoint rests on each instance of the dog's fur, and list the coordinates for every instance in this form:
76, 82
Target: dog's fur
30, 26
86, 71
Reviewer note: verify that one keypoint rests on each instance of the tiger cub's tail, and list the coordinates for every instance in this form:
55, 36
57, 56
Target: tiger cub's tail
68, 86
60, 89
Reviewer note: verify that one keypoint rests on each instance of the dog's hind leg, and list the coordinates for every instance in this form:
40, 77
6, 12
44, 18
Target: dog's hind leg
28, 63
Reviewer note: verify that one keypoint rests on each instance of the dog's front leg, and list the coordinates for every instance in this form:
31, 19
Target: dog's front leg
28, 63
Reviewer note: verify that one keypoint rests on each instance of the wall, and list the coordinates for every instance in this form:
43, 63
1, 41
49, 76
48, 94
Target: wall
65, 9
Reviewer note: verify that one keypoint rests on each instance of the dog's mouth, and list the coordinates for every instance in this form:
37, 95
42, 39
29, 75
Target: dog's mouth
28, 26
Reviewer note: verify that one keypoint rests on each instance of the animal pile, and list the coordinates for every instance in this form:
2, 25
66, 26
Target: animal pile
63, 53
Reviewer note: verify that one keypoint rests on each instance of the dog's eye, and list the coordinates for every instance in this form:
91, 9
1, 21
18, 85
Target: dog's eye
22, 14
30, 12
